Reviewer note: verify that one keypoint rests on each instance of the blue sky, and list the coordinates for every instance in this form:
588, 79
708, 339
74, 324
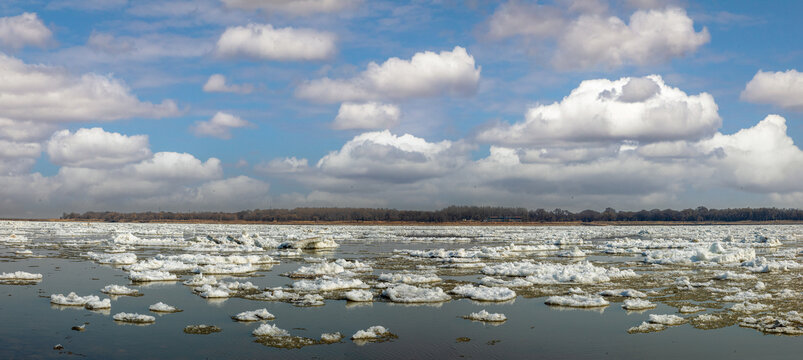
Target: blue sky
239, 104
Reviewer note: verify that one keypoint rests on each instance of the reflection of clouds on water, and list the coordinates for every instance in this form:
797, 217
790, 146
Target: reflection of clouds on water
358, 304
218, 302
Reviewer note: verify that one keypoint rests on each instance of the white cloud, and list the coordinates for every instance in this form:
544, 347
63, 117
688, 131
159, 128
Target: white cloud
784, 89
652, 36
382, 156
93, 5
370, 115
96, 148
21, 30
592, 39
296, 7
49, 94
762, 158
425, 74
263, 41
25, 130
636, 109
530, 19
175, 166
217, 83
219, 126
283, 166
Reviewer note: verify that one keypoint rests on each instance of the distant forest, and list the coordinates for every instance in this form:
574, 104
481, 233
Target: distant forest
453, 214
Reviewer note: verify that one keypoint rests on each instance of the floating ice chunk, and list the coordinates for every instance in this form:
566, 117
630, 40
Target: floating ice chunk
486, 316
224, 269
763, 265
98, 304
707, 318
328, 284
270, 330
359, 295
531, 248
575, 290
24, 252
551, 273
371, 333
637, 304
119, 290
690, 309
331, 337
72, 299
133, 318
730, 275
287, 252
516, 282
646, 327
274, 295
746, 295
668, 319
318, 270
404, 293
715, 253
162, 307
760, 286
151, 275
790, 324
573, 252
683, 283
624, 292
581, 301
200, 279
409, 278
309, 300
310, 244
20, 276
482, 293
748, 307
254, 315
113, 259
208, 291
126, 238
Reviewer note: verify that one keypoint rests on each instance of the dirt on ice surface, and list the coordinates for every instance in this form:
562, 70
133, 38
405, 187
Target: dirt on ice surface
294, 291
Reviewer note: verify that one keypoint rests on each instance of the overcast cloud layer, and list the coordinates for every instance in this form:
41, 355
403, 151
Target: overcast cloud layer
241, 104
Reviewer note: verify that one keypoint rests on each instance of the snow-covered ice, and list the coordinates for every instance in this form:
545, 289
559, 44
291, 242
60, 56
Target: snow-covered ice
404, 293
133, 318
254, 315
162, 307
484, 293
580, 301
484, 315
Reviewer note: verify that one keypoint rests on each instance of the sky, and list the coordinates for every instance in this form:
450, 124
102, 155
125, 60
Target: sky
226, 105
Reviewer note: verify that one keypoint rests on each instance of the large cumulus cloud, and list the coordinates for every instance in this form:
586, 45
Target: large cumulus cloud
635, 109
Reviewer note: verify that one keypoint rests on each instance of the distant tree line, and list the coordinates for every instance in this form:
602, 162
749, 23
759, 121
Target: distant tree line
451, 214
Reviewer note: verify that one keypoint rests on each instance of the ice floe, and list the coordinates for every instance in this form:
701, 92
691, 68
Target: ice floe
151, 275
254, 315
790, 323
72, 299
20, 276
409, 278
163, 308
113, 259
552, 273
484, 293
580, 301
375, 332
359, 295
624, 293
327, 283
133, 318
119, 290
638, 304
269, 330
404, 293
484, 315
331, 337
98, 304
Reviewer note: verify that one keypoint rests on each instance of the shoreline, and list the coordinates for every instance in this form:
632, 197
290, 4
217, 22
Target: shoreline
414, 223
